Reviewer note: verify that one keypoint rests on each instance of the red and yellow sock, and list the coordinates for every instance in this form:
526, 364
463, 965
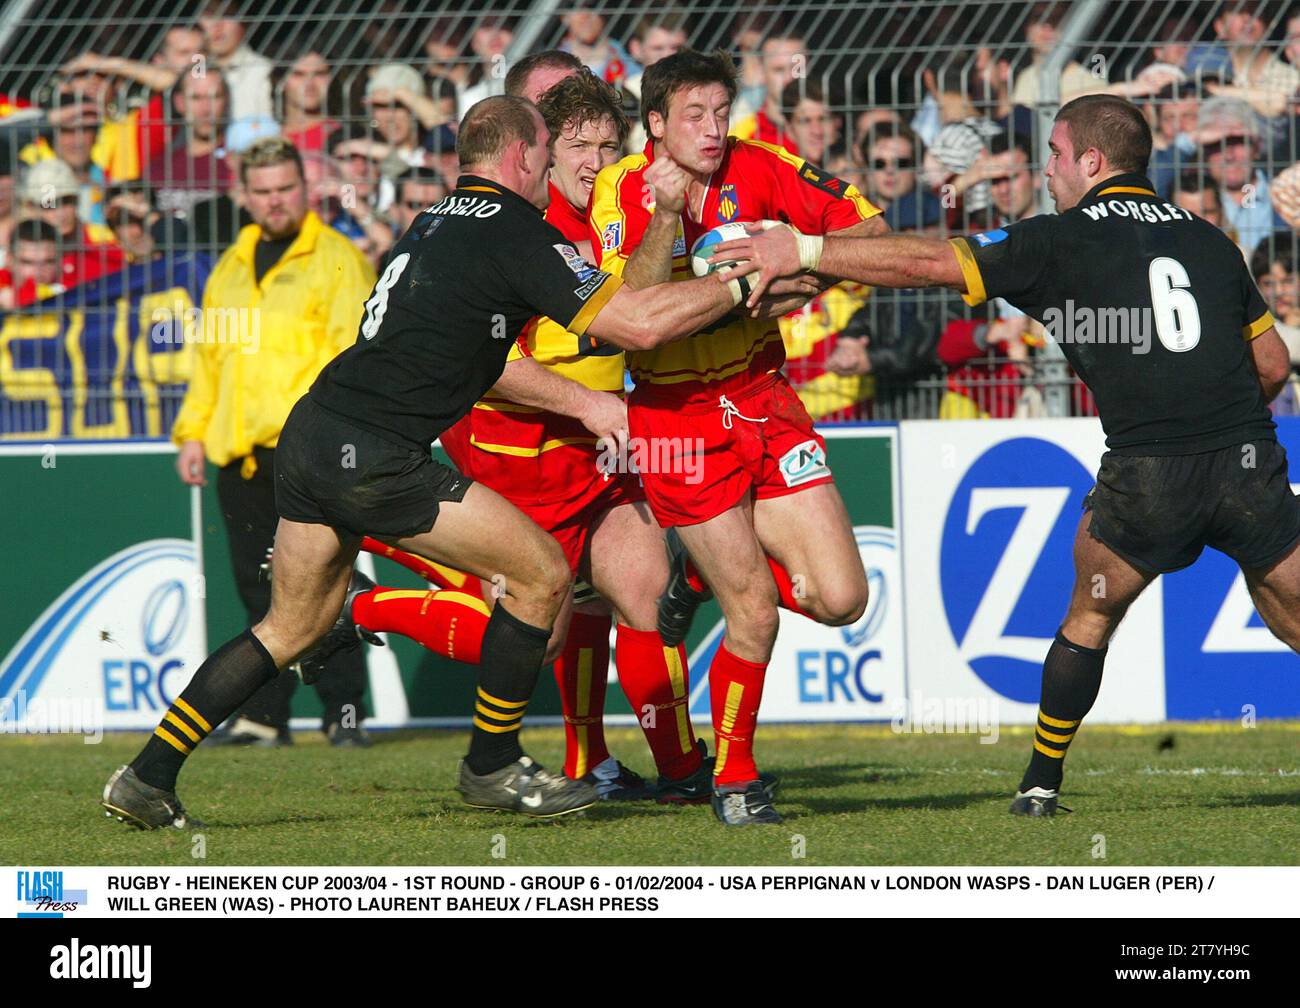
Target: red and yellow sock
735, 691
582, 672
449, 623
656, 680
435, 573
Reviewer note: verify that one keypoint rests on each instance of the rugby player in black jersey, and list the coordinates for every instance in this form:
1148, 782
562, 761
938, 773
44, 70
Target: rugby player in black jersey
1193, 458
354, 458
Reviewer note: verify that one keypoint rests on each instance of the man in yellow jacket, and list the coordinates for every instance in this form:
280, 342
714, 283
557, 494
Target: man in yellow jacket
281, 303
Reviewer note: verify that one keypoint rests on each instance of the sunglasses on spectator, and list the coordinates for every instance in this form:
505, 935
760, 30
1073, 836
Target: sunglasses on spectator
1232, 141
416, 204
81, 128
121, 218
898, 164
386, 105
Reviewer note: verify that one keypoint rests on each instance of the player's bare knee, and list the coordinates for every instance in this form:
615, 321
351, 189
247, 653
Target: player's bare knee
840, 605
287, 641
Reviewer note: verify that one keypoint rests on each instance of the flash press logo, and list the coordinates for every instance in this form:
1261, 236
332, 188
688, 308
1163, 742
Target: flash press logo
75, 961
42, 894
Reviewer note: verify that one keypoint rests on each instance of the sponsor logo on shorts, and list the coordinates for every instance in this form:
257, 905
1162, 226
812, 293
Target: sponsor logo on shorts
804, 463
679, 246
612, 237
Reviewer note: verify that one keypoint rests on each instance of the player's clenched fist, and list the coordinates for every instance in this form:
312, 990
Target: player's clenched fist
669, 180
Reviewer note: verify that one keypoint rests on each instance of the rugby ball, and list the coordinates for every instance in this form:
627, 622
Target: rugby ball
703, 248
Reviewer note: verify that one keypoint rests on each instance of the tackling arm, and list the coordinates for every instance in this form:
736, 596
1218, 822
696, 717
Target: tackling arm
526, 382
645, 319
892, 260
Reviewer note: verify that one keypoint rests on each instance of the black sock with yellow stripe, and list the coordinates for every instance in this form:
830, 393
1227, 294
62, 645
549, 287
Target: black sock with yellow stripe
1071, 680
232, 674
507, 674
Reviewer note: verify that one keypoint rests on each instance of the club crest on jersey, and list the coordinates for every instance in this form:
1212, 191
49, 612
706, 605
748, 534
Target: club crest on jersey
612, 237
987, 238
579, 265
728, 204
804, 463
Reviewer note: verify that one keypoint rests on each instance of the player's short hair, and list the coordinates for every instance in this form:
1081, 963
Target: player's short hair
34, 230
269, 151
582, 99
1112, 125
548, 59
493, 124
685, 68
1004, 142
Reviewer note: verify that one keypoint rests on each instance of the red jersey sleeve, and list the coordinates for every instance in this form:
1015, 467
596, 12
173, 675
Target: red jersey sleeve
811, 198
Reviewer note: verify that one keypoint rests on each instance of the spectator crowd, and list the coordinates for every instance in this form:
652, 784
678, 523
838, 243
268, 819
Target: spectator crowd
115, 162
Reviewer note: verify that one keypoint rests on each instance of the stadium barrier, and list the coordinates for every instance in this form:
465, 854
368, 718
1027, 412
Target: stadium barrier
964, 527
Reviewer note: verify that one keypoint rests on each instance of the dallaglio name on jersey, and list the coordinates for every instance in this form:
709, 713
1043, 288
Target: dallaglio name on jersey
466, 206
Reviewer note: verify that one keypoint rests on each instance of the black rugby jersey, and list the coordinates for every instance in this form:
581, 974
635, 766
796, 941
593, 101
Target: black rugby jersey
1153, 306
459, 288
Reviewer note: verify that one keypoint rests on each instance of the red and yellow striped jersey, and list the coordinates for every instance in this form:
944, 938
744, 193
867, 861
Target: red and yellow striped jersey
503, 426
755, 181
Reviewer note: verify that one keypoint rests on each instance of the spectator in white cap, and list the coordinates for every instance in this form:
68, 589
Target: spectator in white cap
402, 114
1228, 134
50, 193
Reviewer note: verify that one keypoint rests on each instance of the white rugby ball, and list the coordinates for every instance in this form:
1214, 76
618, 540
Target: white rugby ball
703, 248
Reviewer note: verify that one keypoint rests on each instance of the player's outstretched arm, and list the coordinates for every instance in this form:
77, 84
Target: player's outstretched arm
645, 319
893, 260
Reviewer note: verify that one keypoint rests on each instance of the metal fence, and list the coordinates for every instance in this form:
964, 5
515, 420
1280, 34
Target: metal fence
115, 136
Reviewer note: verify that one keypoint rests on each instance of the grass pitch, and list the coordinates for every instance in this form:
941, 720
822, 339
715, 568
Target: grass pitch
1175, 794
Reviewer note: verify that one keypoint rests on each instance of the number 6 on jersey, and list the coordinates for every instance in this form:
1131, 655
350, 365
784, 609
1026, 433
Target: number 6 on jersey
1178, 320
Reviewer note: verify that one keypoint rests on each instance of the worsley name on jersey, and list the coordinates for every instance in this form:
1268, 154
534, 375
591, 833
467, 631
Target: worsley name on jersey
460, 287
1153, 307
